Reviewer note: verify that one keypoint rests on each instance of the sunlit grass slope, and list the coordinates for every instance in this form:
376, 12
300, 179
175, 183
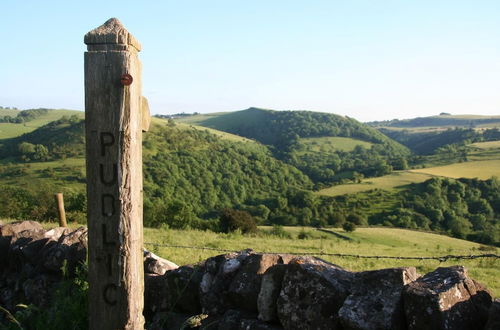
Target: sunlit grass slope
486, 145
386, 182
332, 143
9, 130
484, 162
366, 241
186, 124
8, 112
476, 169
67, 174
197, 119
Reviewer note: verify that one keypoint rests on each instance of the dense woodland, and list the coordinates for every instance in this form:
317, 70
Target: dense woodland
464, 208
193, 178
282, 132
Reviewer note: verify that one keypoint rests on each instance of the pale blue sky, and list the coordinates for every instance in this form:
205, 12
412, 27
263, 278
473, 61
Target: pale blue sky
369, 60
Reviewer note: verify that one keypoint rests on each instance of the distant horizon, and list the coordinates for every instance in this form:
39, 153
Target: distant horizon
364, 59
4, 107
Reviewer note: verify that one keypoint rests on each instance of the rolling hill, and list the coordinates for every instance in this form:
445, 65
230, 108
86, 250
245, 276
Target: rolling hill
327, 147
276, 127
14, 129
192, 172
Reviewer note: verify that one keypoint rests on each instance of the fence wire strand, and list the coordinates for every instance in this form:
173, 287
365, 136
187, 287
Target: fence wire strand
340, 255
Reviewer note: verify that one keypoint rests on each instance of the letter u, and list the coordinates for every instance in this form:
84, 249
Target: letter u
114, 174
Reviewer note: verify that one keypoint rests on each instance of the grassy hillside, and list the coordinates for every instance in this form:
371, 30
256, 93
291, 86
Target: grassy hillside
490, 145
220, 134
8, 112
61, 138
366, 241
10, 130
396, 179
191, 173
63, 174
475, 169
199, 118
332, 143
271, 127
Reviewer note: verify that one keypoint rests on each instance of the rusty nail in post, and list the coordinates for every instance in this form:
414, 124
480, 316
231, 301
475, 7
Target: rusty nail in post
126, 79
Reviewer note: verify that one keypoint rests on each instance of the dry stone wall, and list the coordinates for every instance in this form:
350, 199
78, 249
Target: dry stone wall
253, 291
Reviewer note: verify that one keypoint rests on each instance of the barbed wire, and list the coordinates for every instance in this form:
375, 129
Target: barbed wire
340, 255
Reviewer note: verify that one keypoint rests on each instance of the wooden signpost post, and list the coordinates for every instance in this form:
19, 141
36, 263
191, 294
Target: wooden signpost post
115, 116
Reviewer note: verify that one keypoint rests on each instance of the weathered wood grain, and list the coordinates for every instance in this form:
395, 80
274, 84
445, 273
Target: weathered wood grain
114, 178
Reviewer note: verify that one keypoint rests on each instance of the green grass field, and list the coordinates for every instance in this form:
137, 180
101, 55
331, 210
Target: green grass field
484, 162
331, 143
483, 169
222, 135
8, 112
387, 182
67, 173
187, 124
486, 145
196, 119
10, 130
366, 241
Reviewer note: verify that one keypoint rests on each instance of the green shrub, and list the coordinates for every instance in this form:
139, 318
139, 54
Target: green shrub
357, 219
280, 232
231, 220
303, 234
349, 227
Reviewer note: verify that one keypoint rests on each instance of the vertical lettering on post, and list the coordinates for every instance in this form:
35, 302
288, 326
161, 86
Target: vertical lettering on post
114, 177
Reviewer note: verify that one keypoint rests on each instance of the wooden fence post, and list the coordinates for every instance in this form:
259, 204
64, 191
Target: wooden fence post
113, 128
60, 209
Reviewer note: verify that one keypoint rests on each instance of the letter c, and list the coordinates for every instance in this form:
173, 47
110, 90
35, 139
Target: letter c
110, 297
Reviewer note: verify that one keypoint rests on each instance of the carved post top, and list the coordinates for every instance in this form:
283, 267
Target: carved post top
112, 35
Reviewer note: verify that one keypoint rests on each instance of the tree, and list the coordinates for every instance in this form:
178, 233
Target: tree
349, 227
481, 206
337, 219
231, 220
459, 227
41, 152
357, 219
26, 148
